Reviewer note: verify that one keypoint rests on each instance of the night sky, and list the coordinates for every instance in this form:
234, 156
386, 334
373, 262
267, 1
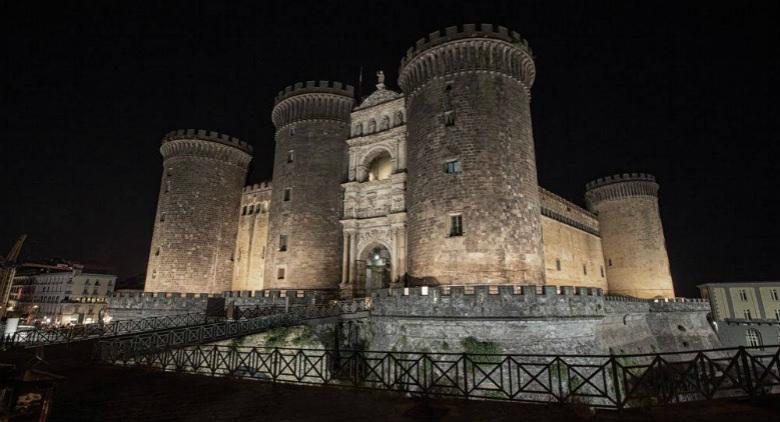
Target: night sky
687, 92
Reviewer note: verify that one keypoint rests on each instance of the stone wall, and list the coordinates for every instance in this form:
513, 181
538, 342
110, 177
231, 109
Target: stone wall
252, 238
468, 99
572, 257
137, 305
534, 319
194, 238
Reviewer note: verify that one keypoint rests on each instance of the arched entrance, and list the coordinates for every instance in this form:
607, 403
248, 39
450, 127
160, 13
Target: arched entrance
374, 270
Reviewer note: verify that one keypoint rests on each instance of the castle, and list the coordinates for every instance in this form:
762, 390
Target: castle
432, 186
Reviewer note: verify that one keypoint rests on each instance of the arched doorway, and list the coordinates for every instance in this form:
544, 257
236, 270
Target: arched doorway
375, 268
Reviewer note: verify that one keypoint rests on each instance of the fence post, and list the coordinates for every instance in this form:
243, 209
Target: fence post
746, 370
465, 377
615, 380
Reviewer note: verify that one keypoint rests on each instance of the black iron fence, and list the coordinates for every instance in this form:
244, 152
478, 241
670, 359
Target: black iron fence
607, 381
65, 334
253, 321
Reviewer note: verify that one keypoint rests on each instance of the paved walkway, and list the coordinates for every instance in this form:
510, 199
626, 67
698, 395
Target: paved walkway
108, 393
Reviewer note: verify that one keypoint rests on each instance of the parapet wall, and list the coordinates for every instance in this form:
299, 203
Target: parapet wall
517, 301
258, 187
207, 135
620, 186
320, 87
469, 30
136, 305
472, 48
566, 212
274, 297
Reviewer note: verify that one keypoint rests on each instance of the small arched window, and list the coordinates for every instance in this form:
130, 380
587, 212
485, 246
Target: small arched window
385, 123
357, 130
371, 126
381, 167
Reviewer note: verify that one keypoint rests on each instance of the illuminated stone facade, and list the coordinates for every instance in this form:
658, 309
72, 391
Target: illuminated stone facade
435, 185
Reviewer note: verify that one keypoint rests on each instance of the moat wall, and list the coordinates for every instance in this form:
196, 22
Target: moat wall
503, 319
531, 319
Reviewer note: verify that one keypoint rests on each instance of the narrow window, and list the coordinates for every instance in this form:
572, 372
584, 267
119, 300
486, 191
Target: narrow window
169, 172
453, 166
456, 225
262, 255
601, 268
558, 264
167, 186
449, 118
774, 294
162, 217
743, 295
287, 194
280, 273
292, 131
747, 314
283, 242
609, 262
157, 252
243, 211
290, 156
777, 314
584, 269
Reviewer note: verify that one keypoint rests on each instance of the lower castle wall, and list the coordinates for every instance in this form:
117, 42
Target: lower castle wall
552, 321
511, 319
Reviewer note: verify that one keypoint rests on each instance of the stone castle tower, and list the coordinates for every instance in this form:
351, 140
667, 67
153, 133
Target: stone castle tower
304, 233
632, 236
472, 192
195, 228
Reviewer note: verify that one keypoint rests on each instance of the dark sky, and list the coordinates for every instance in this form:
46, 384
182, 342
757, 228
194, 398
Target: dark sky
686, 91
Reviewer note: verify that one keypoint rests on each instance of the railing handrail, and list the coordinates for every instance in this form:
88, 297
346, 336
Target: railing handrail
607, 382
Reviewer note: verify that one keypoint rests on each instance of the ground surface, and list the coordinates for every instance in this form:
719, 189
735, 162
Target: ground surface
94, 392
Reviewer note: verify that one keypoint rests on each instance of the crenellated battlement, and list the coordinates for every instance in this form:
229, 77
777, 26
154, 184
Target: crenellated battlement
517, 301
262, 186
469, 30
169, 295
207, 135
620, 186
619, 178
470, 48
318, 87
314, 100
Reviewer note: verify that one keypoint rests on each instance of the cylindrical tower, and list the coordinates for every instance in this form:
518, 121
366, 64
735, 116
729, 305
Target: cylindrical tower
197, 212
304, 233
472, 192
631, 235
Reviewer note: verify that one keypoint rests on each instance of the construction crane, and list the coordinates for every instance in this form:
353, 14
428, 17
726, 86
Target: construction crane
7, 271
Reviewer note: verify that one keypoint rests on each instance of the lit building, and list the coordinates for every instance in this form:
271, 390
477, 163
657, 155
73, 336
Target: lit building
745, 314
61, 297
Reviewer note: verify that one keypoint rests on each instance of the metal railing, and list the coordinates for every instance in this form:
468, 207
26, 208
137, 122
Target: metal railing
256, 322
46, 336
605, 381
